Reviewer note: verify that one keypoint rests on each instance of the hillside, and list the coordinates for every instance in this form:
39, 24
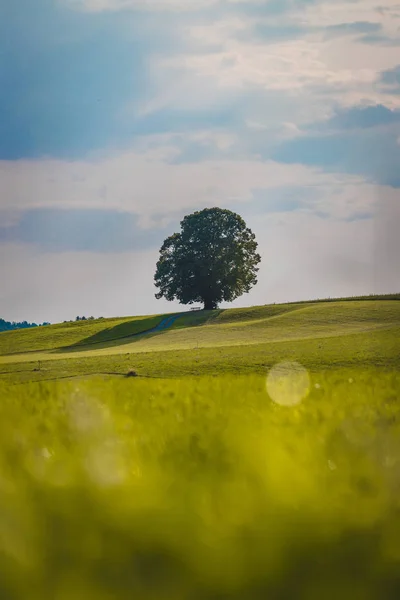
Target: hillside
74, 333
223, 327
321, 335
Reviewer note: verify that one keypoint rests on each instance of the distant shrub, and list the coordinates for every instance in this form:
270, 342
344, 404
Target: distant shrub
131, 374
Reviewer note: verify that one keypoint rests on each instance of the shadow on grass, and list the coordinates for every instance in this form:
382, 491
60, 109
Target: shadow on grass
124, 333
196, 318
135, 330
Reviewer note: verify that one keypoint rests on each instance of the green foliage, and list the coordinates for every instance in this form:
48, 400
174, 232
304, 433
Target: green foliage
200, 489
212, 260
11, 326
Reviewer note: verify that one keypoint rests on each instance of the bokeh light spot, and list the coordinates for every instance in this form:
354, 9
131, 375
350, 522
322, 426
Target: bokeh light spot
288, 383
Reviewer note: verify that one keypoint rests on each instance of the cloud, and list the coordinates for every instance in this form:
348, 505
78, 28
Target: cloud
145, 181
101, 231
360, 117
349, 202
313, 52
390, 80
375, 157
340, 203
361, 140
90, 78
272, 32
351, 28
380, 40
106, 231
327, 14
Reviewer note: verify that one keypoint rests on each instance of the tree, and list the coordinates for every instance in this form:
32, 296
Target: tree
212, 260
10, 326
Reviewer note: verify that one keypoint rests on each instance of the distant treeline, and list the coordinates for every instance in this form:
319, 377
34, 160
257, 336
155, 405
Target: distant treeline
82, 319
11, 325
347, 299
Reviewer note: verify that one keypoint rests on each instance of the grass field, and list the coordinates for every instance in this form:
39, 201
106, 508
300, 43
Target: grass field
76, 333
204, 477
319, 335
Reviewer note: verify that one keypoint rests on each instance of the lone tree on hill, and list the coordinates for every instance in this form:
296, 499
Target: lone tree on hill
212, 260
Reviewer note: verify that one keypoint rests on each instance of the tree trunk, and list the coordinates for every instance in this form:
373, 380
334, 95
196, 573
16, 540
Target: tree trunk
210, 304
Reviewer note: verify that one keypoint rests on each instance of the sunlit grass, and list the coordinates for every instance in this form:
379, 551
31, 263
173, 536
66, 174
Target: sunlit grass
378, 347
73, 334
200, 488
255, 456
272, 325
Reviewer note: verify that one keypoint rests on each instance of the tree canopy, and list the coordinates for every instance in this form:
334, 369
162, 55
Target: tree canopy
213, 259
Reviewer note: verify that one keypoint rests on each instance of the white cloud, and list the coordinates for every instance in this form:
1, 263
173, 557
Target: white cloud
314, 71
343, 67
326, 70
353, 201
327, 13
145, 184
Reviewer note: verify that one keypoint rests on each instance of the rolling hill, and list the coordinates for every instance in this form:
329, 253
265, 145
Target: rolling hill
319, 334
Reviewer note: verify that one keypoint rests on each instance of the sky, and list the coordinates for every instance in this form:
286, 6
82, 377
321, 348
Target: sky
120, 117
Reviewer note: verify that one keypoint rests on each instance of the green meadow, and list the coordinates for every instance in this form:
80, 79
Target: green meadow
255, 455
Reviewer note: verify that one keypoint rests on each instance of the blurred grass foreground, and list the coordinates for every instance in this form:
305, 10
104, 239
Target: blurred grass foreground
201, 488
